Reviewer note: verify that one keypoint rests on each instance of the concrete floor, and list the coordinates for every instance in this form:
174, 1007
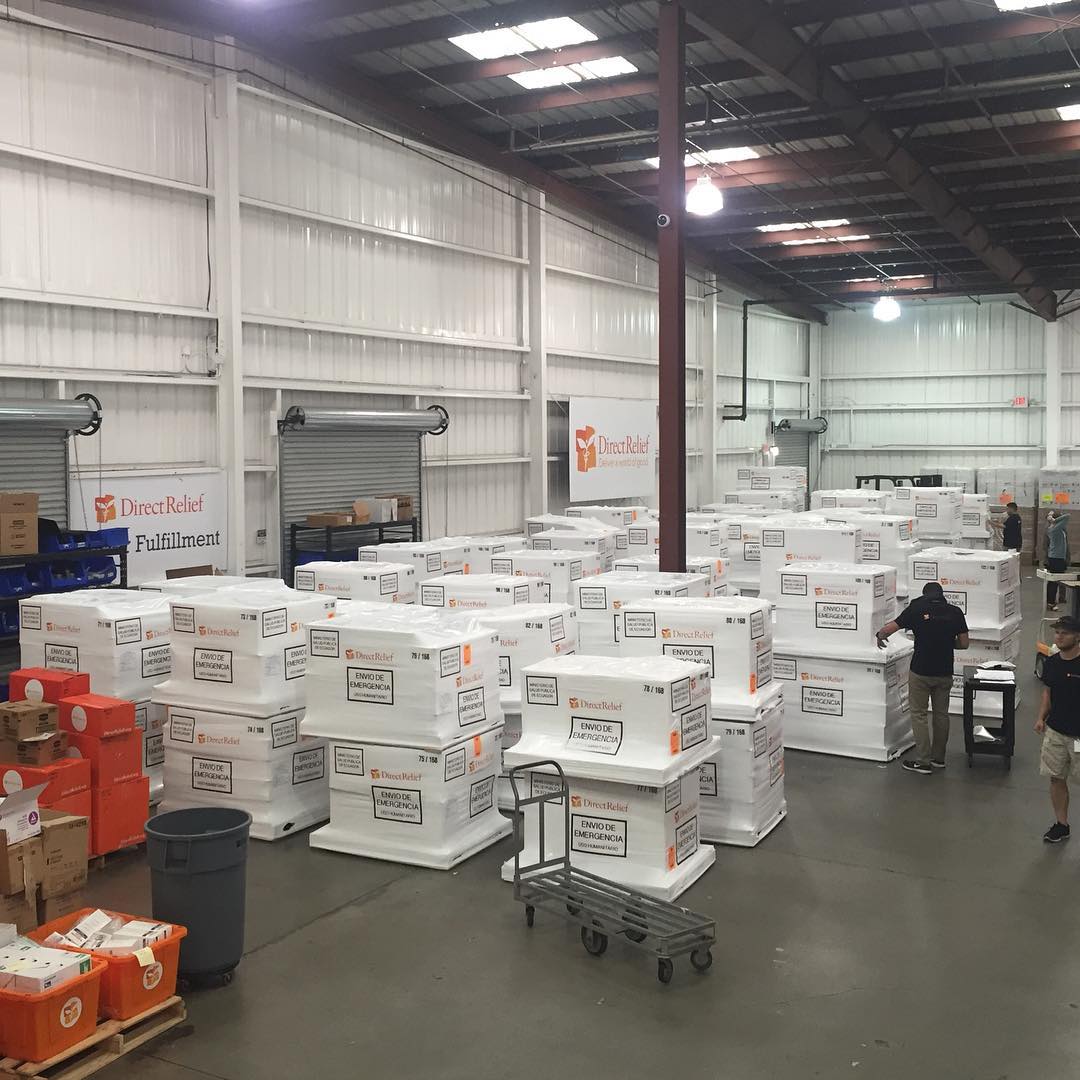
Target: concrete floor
895, 926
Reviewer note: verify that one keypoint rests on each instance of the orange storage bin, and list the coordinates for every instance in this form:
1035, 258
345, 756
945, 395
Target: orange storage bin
127, 987
35, 1027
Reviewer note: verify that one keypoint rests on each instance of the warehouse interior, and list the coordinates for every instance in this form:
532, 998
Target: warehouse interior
260, 258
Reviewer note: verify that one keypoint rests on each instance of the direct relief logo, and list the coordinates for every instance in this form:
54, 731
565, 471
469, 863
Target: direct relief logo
105, 508
665, 631
376, 774
586, 448
575, 801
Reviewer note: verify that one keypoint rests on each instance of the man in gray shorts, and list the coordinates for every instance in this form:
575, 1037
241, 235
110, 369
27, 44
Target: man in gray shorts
1059, 722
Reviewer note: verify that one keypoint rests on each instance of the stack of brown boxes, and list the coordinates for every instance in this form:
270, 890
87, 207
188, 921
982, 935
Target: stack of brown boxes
18, 523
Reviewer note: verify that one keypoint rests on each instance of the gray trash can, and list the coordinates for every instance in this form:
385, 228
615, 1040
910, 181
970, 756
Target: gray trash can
198, 869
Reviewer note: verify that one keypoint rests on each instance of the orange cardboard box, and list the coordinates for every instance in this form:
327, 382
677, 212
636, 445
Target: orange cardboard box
119, 816
97, 715
44, 684
78, 805
112, 760
65, 778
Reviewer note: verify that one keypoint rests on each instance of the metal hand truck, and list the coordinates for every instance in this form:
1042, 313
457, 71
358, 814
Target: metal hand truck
602, 908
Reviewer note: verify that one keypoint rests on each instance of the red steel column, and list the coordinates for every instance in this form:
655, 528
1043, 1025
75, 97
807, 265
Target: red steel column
672, 473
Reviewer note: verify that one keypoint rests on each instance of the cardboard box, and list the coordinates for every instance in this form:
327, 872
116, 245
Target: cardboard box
18, 534
21, 864
42, 749
56, 907
59, 780
20, 815
321, 520
369, 508
119, 815
45, 684
25, 719
65, 846
113, 760
80, 805
97, 715
21, 910
405, 506
18, 502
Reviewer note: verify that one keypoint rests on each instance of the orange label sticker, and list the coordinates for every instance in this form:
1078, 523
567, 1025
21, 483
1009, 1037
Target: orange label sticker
466, 568
753, 684
671, 858
674, 742
1061, 496
468, 654
476, 746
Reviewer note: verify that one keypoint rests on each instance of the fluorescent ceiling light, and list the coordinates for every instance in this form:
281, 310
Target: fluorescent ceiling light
526, 38
900, 277
712, 157
538, 78
1069, 112
788, 226
1023, 5
886, 309
825, 240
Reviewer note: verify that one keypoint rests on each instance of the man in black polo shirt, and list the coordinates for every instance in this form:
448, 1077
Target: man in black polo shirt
1059, 722
938, 628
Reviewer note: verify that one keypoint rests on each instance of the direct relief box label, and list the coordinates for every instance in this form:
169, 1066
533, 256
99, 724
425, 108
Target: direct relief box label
784, 667
471, 709
183, 619
324, 643
305, 580
599, 736
793, 584
156, 660
372, 685
62, 657
153, 749
211, 774
213, 665
295, 662
454, 765
275, 622
541, 690
822, 700
639, 624
308, 765
283, 732
830, 616
30, 617
593, 598
694, 724
707, 779
127, 631
694, 654
686, 840
481, 796
397, 804
349, 760
594, 835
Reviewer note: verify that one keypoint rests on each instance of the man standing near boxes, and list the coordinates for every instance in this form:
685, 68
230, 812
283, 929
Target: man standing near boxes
1059, 722
939, 628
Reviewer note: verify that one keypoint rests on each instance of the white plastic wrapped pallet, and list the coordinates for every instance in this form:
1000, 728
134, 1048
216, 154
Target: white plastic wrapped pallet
200, 583
642, 538
850, 498
415, 677
742, 786
985, 585
412, 804
771, 478
979, 652
1006, 484
742, 532
616, 536
644, 837
620, 516
935, 512
831, 608
244, 650
786, 540
714, 570
598, 600
634, 720
600, 541
429, 557
478, 592
1059, 486
731, 636
850, 707
886, 538
557, 570
780, 500
706, 540
379, 582
953, 476
120, 637
479, 551
975, 520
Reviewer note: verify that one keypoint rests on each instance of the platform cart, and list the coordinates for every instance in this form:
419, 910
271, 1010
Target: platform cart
1004, 737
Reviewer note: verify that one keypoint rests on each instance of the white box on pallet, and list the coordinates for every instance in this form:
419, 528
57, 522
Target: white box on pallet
706, 541
120, 637
200, 583
598, 600
849, 498
779, 500
771, 478
854, 708
238, 736
1006, 484
511, 736
742, 533
935, 512
953, 476
555, 570
597, 541
886, 538
479, 551
713, 570
478, 592
430, 558
244, 650
985, 585
411, 804
975, 517
639, 720
644, 837
619, 516
377, 582
642, 538
731, 636
615, 536
787, 540
835, 609
742, 785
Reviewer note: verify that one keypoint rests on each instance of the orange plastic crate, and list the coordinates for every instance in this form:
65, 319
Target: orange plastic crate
127, 987
35, 1027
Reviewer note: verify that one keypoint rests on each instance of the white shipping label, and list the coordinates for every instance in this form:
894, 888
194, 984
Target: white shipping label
760, 483
504, 670
695, 727
397, 804
751, 551
784, 667
213, 665
879, 584
822, 700
673, 795
902, 493
62, 657
622, 542
210, 774
127, 631
905, 530
757, 624
871, 550
558, 628
764, 668
454, 766
30, 617
481, 796
535, 527
542, 544
971, 518
388, 584
324, 643
639, 624
924, 570
761, 740
776, 766
471, 707
349, 760
308, 765
680, 694
153, 749
686, 840
594, 835
543, 784
707, 779
772, 537
1009, 604
284, 732
275, 623
597, 736
156, 660
433, 595
830, 616
183, 619
305, 580
828, 502
925, 510
372, 685
369, 556
694, 654
592, 598
957, 597
541, 690
295, 662
433, 562
734, 532
575, 573
521, 594
792, 584
181, 727
502, 566
450, 661
638, 536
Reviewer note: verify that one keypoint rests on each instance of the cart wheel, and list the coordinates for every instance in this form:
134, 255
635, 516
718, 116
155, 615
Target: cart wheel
573, 909
701, 959
664, 970
595, 943
530, 914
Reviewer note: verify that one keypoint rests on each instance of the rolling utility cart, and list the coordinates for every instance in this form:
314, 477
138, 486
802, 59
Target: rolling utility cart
601, 907
1005, 736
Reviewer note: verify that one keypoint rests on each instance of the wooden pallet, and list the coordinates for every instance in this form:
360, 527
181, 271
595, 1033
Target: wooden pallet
111, 1040
100, 862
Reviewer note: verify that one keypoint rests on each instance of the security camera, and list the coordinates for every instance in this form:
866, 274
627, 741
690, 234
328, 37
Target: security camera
663, 220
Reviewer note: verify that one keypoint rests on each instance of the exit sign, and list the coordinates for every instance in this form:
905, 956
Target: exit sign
1020, 402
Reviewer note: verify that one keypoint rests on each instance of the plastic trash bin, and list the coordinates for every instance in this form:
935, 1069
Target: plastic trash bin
198, 869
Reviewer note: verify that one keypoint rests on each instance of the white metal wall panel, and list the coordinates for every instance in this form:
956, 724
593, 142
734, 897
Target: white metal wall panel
1069, 337
593, 248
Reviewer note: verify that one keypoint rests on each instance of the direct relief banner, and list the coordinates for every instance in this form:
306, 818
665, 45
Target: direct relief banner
613, 444
173, 519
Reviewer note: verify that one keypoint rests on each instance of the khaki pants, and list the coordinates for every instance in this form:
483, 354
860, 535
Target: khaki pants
924, 690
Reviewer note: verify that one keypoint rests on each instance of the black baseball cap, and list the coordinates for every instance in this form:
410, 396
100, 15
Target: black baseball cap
933, 590
1069, 623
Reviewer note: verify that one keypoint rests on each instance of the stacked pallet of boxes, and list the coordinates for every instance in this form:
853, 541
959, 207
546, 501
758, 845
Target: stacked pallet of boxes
805, 539
429, 558
630, 735
1059, 489
975, 521
478, 592
844, 694
584, 535
850, 499
985, 585
121, 640
480, 550
936, 513
741, 786
556, 570
886, 538
953, 476
1015, 484
741, 530
410, 703
759, 478
778, 501
619, 516
714, 570
376, 582
235, 701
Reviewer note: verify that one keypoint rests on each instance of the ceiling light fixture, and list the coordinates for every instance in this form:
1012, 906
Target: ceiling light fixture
1023, 5
1069, 112
538, 78
824, 240
713, 157
704, 199
525, 38
790, 226
886, 309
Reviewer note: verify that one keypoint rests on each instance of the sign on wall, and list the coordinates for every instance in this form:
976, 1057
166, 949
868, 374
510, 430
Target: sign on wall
174, 519
613, 445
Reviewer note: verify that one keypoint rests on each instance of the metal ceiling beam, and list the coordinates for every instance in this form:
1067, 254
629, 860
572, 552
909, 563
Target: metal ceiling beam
294, 14
816, 11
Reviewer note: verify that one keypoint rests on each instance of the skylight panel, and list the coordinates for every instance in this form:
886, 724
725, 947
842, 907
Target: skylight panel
526, 38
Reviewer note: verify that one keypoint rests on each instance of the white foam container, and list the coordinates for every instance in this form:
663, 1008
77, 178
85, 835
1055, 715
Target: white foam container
598, 540
776, 500
805, 539
200, 583
408, 804
715, 570
985, 585
644, 837
619, 516
430, 558
375, 582
479, 551
886, 538
771, 478
936, 512
975, 517
478, 592
849, 498
557, 570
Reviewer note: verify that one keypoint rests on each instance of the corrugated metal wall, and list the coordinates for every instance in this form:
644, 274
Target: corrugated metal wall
935, 387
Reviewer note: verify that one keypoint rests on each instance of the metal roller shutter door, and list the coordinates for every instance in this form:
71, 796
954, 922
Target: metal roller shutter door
36, 459
794, 447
